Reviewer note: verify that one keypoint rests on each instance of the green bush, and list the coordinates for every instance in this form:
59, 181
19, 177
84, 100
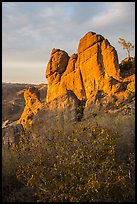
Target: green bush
80, 110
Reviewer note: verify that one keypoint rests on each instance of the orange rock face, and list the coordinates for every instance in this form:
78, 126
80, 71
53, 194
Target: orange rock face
58, 62
86, 72
32, 106
93, 74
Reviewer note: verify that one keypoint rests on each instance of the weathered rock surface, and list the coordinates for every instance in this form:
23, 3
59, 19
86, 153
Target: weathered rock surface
58, 62
32, 106
11, 134
98, 62
88, 71
58, 114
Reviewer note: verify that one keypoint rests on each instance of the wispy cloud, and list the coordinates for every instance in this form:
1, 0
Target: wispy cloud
31, 29
115, 14
9, 5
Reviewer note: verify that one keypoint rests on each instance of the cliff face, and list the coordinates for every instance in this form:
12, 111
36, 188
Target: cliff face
91, 69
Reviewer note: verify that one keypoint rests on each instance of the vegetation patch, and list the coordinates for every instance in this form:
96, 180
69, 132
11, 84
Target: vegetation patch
82, 166
80, 110
131, 87
126, 65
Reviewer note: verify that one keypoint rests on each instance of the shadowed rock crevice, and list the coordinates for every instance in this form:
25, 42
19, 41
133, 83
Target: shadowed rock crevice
84, 92
100, 60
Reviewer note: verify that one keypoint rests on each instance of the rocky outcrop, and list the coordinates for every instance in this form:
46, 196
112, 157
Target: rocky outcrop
13, 102
98, 62
11, 134
58, 114
58, 62
91, 69
59, 83
19, 105
90, 77
32, 106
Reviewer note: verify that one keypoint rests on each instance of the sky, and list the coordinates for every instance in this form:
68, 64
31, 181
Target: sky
30, 30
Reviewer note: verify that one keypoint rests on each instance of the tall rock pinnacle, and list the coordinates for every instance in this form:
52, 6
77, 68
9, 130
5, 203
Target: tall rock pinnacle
86, 72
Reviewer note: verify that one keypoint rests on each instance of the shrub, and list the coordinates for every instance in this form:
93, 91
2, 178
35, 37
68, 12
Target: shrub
9, 167
80, 110
127, 64
131, 87
78, 167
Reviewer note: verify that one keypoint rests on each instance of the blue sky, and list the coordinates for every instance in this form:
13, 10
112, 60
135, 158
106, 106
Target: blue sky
31, 29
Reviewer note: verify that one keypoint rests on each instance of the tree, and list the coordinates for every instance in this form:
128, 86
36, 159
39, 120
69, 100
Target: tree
126, 46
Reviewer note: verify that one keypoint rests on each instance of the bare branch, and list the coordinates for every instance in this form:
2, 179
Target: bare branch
126, 46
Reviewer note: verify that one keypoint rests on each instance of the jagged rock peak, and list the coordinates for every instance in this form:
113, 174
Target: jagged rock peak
86, 71
88, 40
57, 63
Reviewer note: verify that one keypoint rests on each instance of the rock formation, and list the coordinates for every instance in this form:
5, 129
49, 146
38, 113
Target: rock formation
92, 76
32, 106
58, 114
17, 112
13, 99
11, 134
91, 69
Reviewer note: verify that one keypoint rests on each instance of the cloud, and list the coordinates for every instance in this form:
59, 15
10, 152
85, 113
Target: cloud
31, 29
115, 14
9, 5
116, 20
